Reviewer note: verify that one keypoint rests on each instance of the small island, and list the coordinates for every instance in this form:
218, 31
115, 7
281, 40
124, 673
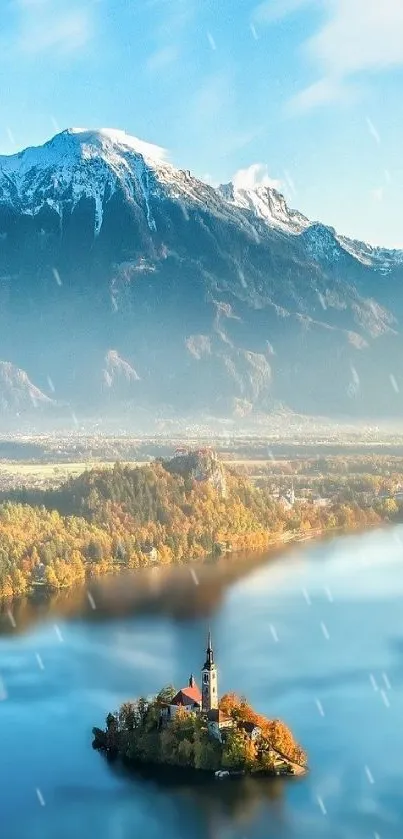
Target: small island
195, 729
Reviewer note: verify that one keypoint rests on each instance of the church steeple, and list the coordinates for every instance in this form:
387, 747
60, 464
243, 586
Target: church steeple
209, 651
209, 679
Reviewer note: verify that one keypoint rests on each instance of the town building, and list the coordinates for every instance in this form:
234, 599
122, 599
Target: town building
150, 552
287, 500
250, 728
188, 698
218, 722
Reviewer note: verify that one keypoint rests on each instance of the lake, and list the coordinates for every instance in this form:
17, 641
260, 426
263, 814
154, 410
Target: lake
314, 636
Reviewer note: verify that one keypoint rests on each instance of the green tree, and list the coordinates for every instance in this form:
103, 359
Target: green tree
166, 694
234, 752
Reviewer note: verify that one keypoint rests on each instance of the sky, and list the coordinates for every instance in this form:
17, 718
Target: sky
301, 94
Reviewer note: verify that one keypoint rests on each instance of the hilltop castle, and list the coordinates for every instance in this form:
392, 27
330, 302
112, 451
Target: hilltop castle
206, 701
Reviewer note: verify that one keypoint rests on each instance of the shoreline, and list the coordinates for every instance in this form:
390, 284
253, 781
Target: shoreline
287, 538
164, 771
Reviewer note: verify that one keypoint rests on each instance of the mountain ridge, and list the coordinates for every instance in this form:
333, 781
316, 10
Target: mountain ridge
222, 300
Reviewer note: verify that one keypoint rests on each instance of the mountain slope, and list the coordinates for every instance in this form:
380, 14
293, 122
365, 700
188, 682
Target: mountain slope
17, 393
223, 301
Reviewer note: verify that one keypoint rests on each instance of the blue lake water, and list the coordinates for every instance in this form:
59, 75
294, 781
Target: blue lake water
314, 637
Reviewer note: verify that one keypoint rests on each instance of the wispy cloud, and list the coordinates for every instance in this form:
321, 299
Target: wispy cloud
162, 58
48, 25
172, 18
253, 176
322, 92
357, 36
271, 11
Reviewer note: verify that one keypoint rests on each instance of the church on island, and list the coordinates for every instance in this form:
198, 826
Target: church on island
206, 702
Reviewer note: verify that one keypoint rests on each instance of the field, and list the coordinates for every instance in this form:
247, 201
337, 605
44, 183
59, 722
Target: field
16, 474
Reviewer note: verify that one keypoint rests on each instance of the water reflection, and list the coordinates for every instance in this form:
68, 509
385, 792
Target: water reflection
214, 804
181, 592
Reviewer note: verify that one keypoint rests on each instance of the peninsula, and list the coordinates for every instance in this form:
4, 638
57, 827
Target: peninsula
195, 729
183, 509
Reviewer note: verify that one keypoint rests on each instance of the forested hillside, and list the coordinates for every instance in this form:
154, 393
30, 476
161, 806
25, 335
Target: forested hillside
106, 520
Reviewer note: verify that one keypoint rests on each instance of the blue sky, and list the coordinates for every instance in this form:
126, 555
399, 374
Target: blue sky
308, 89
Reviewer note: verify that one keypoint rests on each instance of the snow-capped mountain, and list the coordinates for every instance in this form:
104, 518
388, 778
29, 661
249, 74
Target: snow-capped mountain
266, 204
77, 164
218, 299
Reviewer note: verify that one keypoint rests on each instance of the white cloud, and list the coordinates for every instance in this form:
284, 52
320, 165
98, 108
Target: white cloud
253, 176
357, 36
47, 25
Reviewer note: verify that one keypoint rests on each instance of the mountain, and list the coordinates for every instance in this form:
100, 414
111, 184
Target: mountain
127, 282
17, 393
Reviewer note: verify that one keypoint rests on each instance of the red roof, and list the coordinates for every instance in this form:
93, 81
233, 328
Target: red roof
186, 696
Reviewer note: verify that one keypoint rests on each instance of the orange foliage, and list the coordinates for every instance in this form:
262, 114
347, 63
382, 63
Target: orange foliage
275, 732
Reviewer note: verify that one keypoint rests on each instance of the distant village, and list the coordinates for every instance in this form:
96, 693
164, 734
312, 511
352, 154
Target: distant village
50, 461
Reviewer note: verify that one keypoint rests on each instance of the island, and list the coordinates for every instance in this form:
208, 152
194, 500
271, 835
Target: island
194, 729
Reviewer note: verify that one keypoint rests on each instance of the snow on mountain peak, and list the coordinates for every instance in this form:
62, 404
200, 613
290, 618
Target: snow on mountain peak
83, 163
266, 203
95, 164
116, 136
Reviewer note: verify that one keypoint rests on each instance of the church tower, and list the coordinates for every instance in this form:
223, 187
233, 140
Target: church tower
209, 680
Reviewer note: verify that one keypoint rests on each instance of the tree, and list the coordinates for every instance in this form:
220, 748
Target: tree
166, 694
50, 577
390, 507
234, 752
129, 716
112, 722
